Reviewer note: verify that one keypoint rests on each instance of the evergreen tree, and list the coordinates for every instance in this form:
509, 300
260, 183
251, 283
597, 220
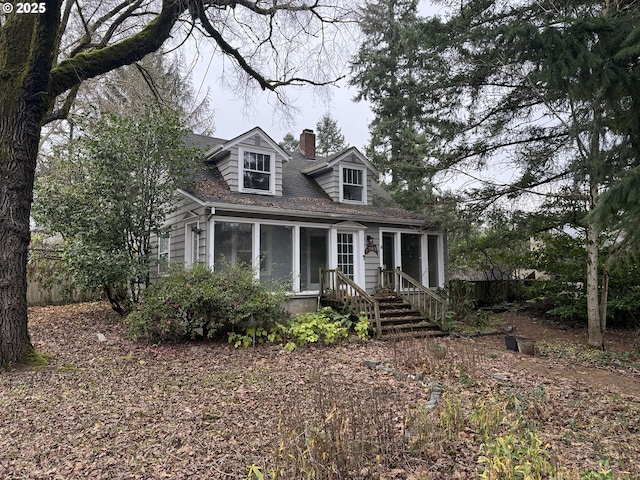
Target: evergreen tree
329, 137
290, 143
387, 71
540, 85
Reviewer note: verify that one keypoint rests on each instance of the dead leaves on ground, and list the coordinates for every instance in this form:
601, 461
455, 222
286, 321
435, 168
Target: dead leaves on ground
120, 410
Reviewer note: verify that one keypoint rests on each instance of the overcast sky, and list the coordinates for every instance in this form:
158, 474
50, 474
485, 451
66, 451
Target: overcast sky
237, 114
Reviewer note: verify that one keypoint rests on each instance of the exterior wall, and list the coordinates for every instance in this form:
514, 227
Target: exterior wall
329, 182
229, 165
299, 305
176, 223
372, 260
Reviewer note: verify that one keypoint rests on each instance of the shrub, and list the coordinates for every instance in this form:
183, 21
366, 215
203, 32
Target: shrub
326, 325
199, 302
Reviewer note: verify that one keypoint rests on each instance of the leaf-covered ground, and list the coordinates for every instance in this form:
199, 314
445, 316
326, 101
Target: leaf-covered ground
118, 410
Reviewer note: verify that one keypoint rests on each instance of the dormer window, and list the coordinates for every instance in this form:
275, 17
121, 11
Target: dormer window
257, 171
353, 185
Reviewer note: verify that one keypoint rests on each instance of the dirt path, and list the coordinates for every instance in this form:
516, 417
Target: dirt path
566, 370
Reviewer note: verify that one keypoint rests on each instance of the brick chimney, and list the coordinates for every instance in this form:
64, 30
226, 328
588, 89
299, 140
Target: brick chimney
308, 143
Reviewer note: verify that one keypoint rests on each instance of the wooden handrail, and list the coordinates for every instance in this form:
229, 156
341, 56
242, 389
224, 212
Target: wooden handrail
347, 291
424, 299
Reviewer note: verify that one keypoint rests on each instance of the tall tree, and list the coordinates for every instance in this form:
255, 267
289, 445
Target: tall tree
290, 143
157, 78
45, 56
110, 194
329, 136
537, 86
386, 72
129, 90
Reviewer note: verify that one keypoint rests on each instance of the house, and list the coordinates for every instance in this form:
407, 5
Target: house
298, 218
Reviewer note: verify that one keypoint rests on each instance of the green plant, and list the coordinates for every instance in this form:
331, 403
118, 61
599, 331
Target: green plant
254, 471
362, 328
604, 472
516, 457
200, 302
322, 325
255, 334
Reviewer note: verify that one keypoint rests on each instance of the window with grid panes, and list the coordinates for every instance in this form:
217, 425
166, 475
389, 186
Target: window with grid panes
345, 254
257, 171
352, 184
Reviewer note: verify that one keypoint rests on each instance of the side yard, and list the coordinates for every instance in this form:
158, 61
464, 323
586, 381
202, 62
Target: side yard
105, 407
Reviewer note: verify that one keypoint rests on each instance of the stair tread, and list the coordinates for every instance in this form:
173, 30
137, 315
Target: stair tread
414, 334
405, 326
413, 318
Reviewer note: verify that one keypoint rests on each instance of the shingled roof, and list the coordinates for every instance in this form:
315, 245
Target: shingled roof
301, 195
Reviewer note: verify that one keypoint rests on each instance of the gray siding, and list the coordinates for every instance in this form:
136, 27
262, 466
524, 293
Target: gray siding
229, 165
177, 222
330, 183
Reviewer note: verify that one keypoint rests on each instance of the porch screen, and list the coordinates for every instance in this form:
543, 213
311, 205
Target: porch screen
232, 244
433, 257
276, 254
411, 256
314, 251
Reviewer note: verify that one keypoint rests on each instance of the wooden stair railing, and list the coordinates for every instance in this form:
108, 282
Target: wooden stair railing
336, 285
432, 305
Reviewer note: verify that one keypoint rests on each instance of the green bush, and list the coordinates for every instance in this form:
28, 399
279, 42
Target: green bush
199, 302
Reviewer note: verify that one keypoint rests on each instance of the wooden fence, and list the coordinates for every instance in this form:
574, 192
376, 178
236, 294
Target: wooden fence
37, 295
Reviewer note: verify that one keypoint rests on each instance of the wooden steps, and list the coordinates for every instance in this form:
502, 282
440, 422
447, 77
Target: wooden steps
400, 319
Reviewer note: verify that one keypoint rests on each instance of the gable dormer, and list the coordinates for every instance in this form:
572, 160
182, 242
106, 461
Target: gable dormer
347, 177
251, 163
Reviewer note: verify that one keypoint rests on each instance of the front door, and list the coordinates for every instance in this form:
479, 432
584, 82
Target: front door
346, 254
313, 256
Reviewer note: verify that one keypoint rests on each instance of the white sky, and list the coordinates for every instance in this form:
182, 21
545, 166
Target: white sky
235, 115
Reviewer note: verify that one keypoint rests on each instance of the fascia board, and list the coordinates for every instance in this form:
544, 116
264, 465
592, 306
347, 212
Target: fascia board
316, 215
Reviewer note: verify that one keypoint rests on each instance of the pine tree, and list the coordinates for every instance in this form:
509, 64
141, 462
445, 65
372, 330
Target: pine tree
290, 143
540, 85
387, 72
329, 137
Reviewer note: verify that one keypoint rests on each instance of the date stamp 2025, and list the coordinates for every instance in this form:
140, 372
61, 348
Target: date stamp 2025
20, 7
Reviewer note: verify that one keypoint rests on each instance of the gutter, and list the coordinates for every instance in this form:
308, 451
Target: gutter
317, 215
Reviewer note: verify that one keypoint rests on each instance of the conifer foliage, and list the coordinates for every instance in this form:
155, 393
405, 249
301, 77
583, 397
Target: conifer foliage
545, 89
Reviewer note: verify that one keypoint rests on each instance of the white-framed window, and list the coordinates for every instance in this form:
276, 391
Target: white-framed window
233, 244
257, 171
163, 252
191, 243
346, 260
352, 185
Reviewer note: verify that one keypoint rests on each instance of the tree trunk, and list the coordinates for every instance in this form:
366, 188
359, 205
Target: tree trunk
24, 74
596, 338
604, 299
16, 184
